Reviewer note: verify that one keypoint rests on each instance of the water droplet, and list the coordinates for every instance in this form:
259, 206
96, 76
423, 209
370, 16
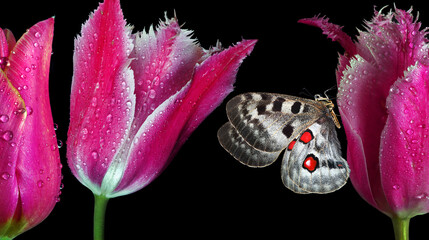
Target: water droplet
40, 183
152, 94
7, 135
29, 110
422, 196
94, 155
396, 187
55, 126
37, 35
4, 118
94, 101
84, 133
410, 131
5, 176
4, 62
27, 69
36, 44
156, 81
60, 144
109, 118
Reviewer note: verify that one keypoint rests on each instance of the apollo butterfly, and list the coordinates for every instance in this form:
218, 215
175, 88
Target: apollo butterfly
262, 125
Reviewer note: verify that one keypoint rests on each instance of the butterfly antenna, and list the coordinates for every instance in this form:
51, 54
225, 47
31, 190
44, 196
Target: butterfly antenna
329, 89
305, 92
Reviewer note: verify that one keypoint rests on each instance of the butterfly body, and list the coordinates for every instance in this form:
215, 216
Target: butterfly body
262, 125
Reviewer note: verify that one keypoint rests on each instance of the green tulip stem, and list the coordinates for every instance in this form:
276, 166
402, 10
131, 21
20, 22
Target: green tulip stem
5, 238
100, 204
401, 227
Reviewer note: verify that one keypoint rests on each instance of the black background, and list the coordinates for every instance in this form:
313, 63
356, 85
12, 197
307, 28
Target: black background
205, 192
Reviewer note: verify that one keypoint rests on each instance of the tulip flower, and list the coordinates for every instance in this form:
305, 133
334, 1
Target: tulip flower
383, 99
136, 98
30, 168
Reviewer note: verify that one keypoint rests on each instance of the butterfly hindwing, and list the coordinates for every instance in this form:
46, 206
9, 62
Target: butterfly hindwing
314, 163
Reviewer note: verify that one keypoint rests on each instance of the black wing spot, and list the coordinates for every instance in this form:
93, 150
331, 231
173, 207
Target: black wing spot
288, 130
295, 107
277, 104
261, 109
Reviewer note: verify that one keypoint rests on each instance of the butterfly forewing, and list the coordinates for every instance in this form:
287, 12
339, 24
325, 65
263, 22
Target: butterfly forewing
268, 121
262, 125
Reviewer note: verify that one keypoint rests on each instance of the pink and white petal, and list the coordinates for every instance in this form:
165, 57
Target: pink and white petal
102, 97
148, 153
175, 119
11, 127
163, 62
213, 81
391, 45
404, 146
361, 101
38, 169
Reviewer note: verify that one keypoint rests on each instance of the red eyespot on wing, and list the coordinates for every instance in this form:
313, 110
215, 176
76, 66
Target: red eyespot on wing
291, 144
311, 163
306, 137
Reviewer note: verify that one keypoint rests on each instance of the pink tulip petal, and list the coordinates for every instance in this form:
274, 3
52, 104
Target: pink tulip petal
10, 39
11, 126
163, 63
391, 45
359, 99
175, 119
38, 169
102, 98
335, 33
213, 81
404, 146
146, 156
4, 50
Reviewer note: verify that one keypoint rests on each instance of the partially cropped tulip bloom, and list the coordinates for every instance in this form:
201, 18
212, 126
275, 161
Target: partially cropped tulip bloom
383, 98
136, 98
30, 174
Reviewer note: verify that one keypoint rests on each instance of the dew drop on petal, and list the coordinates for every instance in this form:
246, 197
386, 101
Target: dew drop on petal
40, 183
4, 62
4, 118
152, 93
109, 118
7, 135
37, 35
84, 133
59, 143
94, 155
29, 110
5, 176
